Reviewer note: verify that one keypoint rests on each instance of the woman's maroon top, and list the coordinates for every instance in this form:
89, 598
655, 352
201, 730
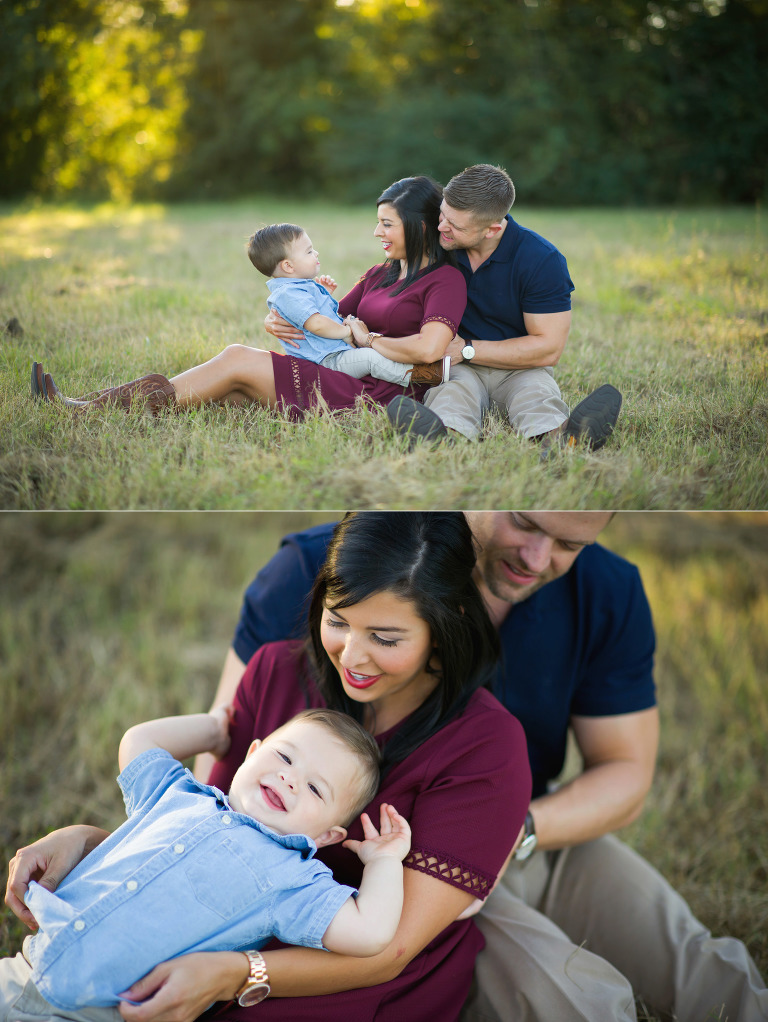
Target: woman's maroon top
438, 296
465, 793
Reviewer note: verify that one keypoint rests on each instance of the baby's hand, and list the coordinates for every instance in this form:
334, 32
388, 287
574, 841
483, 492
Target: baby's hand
328, 282
223, 716
393, 841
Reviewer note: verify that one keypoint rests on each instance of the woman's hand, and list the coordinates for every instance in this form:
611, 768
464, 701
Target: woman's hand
327, 282
359, 331
180, 990
47, 861
284, 331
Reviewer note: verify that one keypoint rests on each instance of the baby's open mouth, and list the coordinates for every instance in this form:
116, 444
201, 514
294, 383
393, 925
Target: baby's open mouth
272, 798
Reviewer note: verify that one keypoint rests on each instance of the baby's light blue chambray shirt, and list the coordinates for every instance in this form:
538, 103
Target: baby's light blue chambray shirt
185, 872
296, 299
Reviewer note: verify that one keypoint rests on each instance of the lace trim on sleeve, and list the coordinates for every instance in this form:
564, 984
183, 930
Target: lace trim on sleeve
451, 871
440, 319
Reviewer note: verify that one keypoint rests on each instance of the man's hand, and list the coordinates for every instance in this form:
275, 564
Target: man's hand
393, 841
454, 350
284, 331
223, 716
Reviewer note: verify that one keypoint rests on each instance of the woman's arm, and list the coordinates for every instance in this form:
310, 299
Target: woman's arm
182, 988
428, 345
48, 861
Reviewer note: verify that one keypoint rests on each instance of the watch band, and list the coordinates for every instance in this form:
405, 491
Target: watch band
527, 846
256, 987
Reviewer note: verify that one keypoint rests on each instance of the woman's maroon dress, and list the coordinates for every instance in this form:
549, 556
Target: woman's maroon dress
465, 793
439, 296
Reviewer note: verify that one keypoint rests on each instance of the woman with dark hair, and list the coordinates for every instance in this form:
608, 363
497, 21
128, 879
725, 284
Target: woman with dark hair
408, 308
399, 639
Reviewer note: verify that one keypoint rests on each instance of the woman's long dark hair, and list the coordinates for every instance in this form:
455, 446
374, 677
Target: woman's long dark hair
417, 201
425, 557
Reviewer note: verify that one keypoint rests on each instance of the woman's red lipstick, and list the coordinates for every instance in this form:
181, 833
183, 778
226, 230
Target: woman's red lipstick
367, 681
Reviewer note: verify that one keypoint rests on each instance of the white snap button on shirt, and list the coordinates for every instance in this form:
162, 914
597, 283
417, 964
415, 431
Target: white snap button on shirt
179, 848
226, 819
131, 885
79, 924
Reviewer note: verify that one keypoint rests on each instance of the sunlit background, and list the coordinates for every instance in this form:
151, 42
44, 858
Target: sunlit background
627, 102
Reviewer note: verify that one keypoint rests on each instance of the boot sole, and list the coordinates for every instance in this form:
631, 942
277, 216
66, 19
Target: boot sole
594, 419
414, 420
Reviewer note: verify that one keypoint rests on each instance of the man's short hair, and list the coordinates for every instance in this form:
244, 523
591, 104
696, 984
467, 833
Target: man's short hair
270, 245
483, 190
361, 744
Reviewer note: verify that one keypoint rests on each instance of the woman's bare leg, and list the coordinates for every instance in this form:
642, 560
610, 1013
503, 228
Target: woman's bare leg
237, 373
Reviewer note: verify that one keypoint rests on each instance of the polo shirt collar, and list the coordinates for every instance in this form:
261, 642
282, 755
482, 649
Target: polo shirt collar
503, 251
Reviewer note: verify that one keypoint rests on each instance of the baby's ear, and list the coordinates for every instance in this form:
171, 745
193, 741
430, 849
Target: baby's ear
253, 747
331, 837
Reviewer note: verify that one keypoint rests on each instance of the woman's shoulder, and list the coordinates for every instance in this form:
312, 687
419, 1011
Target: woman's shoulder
448, 273
484, 711
287, 657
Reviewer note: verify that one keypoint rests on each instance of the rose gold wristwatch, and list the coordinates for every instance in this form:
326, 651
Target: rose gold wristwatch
256, 987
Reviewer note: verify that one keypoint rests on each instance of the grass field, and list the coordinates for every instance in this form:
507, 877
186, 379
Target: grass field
670, 306
109, 619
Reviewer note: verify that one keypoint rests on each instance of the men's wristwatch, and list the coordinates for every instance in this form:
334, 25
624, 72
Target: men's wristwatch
528, 845
468, 351
256, 988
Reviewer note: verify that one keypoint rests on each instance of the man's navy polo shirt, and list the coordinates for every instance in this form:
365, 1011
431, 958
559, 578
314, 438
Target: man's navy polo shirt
525, 273
582, 645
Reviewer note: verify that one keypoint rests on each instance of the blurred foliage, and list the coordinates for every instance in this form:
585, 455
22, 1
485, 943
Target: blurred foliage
633, 102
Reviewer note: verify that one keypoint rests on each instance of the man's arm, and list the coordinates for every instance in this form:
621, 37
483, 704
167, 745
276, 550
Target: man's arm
541, 346
619, 754
231, 674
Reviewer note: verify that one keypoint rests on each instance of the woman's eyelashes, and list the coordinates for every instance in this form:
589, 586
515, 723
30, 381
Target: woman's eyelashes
334, 623
383, 642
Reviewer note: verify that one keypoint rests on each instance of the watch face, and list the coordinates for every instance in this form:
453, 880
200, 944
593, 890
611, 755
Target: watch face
253, 995
468, 351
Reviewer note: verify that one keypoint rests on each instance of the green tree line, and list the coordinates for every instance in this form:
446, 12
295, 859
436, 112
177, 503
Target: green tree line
584, 102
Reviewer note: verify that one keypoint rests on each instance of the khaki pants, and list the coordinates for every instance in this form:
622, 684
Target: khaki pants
530, 398
573, 936
21, 1002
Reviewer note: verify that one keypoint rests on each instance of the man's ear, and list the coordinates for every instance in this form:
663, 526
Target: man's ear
253, 747
331, 837
493, 230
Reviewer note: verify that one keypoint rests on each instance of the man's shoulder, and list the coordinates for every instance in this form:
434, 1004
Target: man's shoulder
528, 241
314, 540
599, 568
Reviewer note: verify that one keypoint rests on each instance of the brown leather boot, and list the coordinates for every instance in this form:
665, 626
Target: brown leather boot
154, 392
432, 373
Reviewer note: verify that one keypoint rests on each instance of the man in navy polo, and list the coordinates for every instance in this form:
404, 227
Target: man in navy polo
514, 328
579, 923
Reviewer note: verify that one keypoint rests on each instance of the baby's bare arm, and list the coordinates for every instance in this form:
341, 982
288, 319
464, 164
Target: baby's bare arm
365, 925
182, 736
324, 326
